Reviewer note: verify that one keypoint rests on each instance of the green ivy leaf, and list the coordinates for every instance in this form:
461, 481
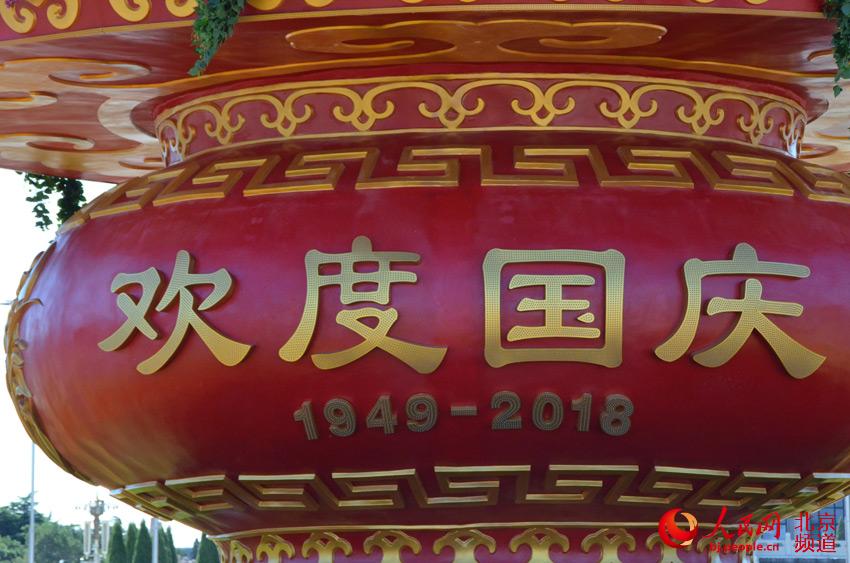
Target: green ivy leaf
71, 197
214, 24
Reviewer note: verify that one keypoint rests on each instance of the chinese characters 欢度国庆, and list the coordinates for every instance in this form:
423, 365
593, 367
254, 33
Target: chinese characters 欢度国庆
752, 310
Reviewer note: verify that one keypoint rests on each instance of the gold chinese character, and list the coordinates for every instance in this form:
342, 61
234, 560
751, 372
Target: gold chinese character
423, 359
553, 305
798, 360
228, 352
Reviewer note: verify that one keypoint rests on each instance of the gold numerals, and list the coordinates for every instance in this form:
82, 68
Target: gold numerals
547, 412
422, 413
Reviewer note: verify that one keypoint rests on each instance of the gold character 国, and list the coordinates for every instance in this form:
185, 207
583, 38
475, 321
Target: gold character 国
553, 306
752, 310
423, 359
228, 352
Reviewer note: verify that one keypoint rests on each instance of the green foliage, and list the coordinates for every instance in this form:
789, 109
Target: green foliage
55, 542
207, 553
42, 186
15, 520
838, 11
214, 23
144, 547
12, 551
165, 547
130, 541
117, 550
172, 551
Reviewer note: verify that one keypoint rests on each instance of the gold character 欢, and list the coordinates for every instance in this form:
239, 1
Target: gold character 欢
228, 352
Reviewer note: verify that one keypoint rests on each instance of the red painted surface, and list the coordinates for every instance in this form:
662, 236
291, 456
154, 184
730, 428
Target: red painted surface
197, 417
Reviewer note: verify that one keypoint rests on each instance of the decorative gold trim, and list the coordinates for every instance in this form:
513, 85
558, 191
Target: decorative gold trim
462, 543
359, 105
609, 541
20, 16
540, 541
700, 9
197, 498
15, 381
551, 166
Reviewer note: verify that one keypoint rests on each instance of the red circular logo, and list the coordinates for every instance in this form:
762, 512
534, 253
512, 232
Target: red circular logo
672, 534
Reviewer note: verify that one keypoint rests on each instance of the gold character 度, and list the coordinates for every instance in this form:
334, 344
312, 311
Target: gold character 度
423, 359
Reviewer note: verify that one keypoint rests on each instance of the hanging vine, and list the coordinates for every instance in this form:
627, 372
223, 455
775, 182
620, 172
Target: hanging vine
838, 11
42, 186
214, 23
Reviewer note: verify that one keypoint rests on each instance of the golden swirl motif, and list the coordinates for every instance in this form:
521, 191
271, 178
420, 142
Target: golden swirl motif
21, 18
181, 8
513, 36
15, 347
131, 10
363, 108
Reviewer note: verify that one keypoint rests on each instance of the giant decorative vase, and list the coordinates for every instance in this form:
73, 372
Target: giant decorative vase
441, 280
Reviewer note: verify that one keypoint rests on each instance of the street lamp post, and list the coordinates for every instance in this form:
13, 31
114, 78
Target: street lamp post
31, 538
155, 540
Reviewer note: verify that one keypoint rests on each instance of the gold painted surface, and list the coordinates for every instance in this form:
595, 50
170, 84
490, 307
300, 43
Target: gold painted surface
609, 354
798, 361
325, 544
540, 541
15, 348
460, 543
449, 101
667, 554
542, 166
55, 76
493, 35
239, 553
194, 499
23, 19
464, 543
21, 16
131, 10
609, 541
272, 546
228, 352
391, 545
423, 359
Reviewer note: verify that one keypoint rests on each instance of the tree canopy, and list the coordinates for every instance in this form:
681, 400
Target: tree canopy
53, 541
144, 547
117, 550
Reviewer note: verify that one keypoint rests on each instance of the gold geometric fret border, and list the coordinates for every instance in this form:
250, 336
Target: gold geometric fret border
534, 542
481, 102
198, 499
277, 174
